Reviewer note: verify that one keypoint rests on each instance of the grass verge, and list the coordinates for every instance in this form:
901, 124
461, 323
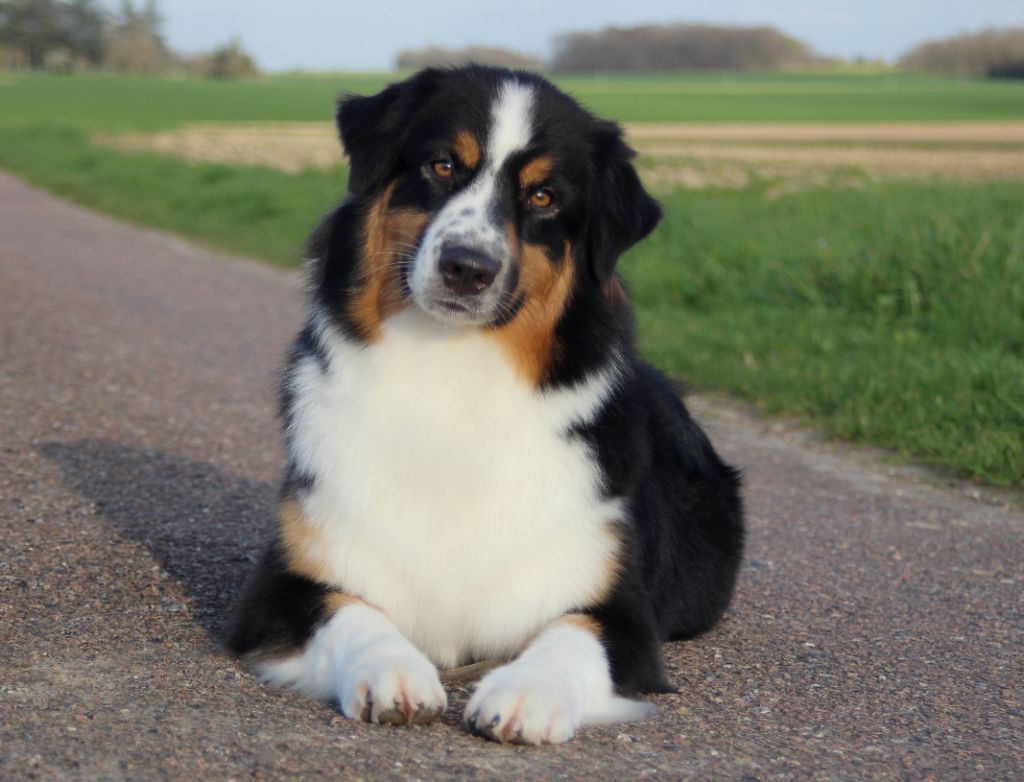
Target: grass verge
252, 210
889, 313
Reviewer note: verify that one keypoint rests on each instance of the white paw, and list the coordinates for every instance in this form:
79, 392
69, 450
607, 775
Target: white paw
523, 704
395, 683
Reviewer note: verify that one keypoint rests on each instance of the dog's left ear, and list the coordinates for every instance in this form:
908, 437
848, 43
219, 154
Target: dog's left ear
373, 129
623, 212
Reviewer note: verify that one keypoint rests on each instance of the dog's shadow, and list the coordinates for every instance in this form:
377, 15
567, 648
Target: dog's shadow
202, 525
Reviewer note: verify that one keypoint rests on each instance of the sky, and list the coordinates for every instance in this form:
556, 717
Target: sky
366, 35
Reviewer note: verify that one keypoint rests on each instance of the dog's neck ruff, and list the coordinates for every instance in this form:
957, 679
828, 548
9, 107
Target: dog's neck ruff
448, 353
448, 491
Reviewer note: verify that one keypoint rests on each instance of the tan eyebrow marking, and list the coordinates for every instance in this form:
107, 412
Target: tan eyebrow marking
536, 171
467, 149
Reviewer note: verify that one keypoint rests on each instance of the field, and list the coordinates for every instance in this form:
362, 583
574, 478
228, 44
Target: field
109, 102
844, 247
691, 155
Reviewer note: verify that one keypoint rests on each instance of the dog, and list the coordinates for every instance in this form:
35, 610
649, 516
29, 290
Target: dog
480, 467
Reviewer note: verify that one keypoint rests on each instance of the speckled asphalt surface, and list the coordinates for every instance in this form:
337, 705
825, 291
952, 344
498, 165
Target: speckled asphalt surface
877, 632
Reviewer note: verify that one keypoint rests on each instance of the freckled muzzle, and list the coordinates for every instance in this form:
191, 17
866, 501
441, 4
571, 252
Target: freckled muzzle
464, 269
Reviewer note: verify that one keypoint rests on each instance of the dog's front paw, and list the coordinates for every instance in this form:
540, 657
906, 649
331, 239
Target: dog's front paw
397, 685
523, 704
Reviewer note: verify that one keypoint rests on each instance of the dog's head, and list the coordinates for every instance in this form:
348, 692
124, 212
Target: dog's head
490, 193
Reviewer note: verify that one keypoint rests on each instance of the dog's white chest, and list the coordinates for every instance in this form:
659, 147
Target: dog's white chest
446, 490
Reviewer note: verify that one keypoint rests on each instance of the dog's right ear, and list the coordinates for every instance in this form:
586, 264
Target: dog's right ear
373, 129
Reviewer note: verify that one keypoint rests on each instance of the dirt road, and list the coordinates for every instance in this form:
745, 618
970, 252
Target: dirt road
877, 632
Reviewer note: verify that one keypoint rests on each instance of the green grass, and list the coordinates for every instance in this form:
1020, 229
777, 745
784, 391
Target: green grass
890, 313
104, 102
95, 102
797, 97
255, 211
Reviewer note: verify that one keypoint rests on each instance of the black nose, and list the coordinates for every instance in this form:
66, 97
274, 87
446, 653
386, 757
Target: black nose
467, 272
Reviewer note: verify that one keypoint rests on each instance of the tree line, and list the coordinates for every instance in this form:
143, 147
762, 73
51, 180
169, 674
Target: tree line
679, 47
990, 52
68, 35
646, 48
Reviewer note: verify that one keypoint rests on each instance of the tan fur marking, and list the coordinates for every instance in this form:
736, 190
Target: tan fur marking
335, 601
302, 543
467, 149
545, 288
388, 235
584, 622
536, 172
302, 547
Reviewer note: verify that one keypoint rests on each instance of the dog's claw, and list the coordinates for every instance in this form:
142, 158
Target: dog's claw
391, 717
510, 731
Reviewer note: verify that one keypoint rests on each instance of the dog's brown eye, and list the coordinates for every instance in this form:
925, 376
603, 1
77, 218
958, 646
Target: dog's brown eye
541, 199
443, 168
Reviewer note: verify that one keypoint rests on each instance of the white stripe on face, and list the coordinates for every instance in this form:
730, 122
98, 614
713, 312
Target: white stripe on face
465, 221
512, 124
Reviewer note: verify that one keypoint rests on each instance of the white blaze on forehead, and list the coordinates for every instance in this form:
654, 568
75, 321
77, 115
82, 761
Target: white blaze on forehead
512, 127
467, 219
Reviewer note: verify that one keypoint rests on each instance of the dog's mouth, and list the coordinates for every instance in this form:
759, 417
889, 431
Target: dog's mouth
453, 311
460, 312
458, 306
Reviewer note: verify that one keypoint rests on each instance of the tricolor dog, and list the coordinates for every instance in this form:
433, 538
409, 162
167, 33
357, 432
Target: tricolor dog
479, 465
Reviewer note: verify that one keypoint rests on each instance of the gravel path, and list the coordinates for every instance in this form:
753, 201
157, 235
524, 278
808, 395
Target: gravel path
877, 632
